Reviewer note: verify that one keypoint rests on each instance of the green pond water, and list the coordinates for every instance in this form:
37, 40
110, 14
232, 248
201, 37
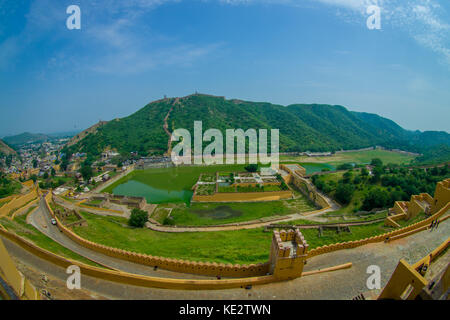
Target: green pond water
151, 193
164, 185
172, 185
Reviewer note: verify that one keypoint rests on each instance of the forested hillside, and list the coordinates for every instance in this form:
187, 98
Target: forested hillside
302, 127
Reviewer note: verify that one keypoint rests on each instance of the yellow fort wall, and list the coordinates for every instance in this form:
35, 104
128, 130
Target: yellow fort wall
389, 236
403, 276
309, 190
134, 279
18, 202
406, 281
203, 268
420, 203
21, 286
441, 195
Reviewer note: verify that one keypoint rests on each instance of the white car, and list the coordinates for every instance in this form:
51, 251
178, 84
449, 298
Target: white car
53, 222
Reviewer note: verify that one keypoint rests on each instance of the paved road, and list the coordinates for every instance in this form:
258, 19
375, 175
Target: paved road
342, 284
40, 219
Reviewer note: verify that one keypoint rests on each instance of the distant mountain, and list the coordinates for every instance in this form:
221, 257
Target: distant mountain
26, 137
302, 127
5, 149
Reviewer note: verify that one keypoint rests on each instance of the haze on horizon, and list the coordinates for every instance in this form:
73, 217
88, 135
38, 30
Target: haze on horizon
280, 51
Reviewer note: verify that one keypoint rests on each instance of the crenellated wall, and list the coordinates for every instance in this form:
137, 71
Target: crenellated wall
21, 286
288, 253
308, 190
441, 195
18, 202
177, 265
405, 210
389, 236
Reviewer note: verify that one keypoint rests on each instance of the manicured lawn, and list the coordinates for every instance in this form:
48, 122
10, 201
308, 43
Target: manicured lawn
272, 188
249, 189
208, 177
227, 189
20, 227
206, 189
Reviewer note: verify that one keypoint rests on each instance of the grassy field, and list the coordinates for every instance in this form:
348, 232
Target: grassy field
20, 227
221, 213
241, 246
358, 157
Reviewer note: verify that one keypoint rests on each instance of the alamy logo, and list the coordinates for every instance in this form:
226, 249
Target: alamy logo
214, 151
74, 20
374, 20
74, 280
374, 280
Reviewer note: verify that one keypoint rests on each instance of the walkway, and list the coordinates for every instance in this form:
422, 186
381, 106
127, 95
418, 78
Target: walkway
342, 284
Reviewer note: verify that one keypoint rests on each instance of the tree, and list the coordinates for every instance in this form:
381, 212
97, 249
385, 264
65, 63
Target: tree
376, 162
345, 166
138, 218
364, 172
35, 163
344, 193
347, 177
64, 164
251, 167
376, 198
46, 175
53, 172
168, 221
86, 172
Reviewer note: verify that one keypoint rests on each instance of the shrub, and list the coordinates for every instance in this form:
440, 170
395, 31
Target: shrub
344, 193
251, 167
168, 221
138, 218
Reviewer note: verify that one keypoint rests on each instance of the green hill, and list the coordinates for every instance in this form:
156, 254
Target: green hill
302, 127
26, 137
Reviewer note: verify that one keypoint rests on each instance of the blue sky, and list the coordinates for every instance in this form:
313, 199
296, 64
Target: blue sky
129, 53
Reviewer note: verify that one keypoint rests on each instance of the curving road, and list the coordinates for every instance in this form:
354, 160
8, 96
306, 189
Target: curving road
41, 220
342, 284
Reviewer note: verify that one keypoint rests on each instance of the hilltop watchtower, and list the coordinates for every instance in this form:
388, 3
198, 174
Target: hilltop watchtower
288, 254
